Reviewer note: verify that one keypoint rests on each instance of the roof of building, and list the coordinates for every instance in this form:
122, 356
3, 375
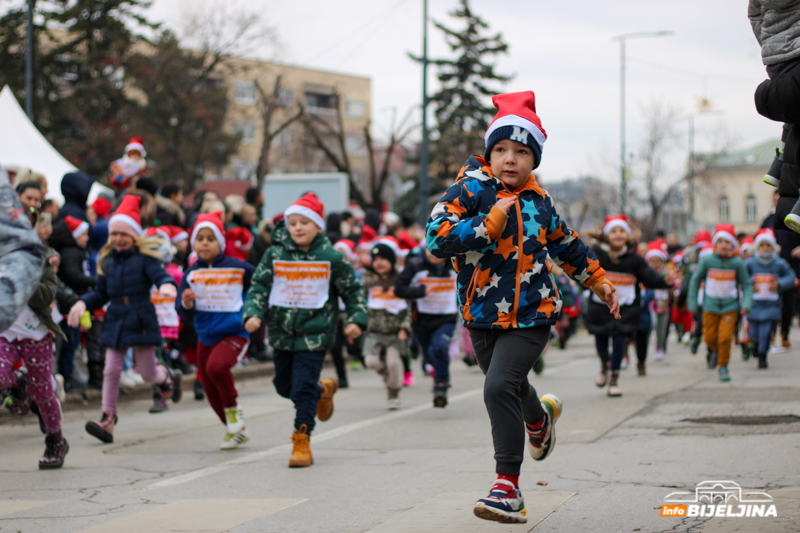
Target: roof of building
755, 157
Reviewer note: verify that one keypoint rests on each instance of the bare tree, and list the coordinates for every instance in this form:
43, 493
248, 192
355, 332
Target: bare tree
331, 140
268, 104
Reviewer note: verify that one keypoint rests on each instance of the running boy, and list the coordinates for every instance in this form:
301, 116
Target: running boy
217, 318
498, 226
726, 281
297, 286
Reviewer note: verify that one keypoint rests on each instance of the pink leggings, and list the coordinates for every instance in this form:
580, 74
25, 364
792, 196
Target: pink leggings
38, 358
144, 359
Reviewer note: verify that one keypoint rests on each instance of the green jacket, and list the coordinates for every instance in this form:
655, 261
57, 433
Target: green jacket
295, 329
44, 295
721, 306
381, 320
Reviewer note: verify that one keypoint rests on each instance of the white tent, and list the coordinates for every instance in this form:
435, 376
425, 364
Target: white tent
22, 145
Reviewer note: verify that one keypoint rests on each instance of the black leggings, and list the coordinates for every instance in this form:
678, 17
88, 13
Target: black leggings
642, 339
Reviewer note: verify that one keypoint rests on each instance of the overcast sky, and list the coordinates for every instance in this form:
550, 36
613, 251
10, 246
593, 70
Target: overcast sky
563, 51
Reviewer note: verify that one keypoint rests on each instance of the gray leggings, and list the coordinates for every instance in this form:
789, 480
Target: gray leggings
662, 330
506, 357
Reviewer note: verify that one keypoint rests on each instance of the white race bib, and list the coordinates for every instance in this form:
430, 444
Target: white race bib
440, 294
380, 298
626, 287
217, 289
721, 284
661, 294
165, 309
303, 284
761, 287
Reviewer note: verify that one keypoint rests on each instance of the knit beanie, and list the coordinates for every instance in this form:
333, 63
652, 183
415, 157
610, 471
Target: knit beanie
148, 184
516, 119
212, 221
126, 218
310, 207
385, 251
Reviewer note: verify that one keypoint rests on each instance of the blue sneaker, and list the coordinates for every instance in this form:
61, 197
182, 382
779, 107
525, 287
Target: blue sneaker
723, 374
542, 436
504, 504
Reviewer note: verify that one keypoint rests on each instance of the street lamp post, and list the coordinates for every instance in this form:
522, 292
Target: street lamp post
29, 63
623, 165
423, 152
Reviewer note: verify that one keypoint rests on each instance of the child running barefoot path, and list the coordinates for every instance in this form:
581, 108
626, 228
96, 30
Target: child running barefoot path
217, 316
127, 269
297, 286
499, 226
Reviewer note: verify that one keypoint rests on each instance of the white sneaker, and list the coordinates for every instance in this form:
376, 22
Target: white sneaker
59, 387
232, 441
126, 380
659, 355
137, 377
393, 404
234, 420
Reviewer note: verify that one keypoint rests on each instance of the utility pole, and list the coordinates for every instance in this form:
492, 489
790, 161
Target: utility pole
29, 63
622, 161
423, 152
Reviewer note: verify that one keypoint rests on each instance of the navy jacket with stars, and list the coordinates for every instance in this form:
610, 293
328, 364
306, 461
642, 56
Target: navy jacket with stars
503, 279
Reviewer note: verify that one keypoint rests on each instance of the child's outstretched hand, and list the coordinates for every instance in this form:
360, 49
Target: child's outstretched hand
352, 331
669, 278
168, 290
402, 335
187, 298
252, 324
75, 314
610, 298
504, 204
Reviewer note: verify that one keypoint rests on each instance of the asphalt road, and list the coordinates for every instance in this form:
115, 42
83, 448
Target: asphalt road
419, 468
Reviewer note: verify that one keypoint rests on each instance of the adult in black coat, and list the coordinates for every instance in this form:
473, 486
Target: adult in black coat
75, 187
74, 259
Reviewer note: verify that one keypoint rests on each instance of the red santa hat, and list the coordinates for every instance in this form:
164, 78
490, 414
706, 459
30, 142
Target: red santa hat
212, 221
702, 238
392, 243
765, 235
347, 247
726, 232
368, 235
176, 233
136, 144
707, 249
616, 221
126, 218
310, 207
76, 227
239, 241
516, 119
102, 207
655, 249
747, 243
678, 257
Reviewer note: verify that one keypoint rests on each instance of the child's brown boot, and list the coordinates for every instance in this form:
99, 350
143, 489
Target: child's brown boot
301, 451
325, 402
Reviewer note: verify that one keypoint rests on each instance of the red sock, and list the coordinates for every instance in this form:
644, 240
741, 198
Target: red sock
509, 477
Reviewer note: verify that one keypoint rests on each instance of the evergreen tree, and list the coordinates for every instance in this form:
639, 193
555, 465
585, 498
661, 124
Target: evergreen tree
462, 105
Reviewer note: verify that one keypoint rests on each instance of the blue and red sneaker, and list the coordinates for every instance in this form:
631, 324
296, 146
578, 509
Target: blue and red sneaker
504, 504
542, 436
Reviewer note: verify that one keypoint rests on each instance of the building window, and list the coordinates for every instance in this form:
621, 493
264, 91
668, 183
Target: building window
724, 211
247, 130
750, 209
321, 104
355, 145
286, 98
244, 92
355, 108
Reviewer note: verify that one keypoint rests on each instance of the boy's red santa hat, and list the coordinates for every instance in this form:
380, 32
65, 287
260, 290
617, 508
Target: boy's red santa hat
347, 247
102, 207
368, 236
655, 249
726, 232
136, 144
126, 218
239, 241
310, 207
212, 221
516, 119
616, 221
765, 235
747, 243
176, 233
76, 226
702, 238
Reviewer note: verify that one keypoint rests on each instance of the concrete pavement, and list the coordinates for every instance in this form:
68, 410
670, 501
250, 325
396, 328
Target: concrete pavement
420, 469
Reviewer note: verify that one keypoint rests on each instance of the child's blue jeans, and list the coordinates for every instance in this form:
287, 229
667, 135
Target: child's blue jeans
761, 334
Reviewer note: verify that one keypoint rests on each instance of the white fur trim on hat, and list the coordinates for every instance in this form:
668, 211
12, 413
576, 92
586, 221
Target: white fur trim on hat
125, 219
616, 223
180, 236
725, 236
514, 120
136, 146
658, 253
765, 237
213, 227
82, 227
310, 214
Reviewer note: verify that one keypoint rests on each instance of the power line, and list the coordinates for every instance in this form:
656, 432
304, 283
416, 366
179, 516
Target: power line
690, 72
372, 33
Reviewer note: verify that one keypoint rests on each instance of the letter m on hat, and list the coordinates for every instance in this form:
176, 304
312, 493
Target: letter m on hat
520, 135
